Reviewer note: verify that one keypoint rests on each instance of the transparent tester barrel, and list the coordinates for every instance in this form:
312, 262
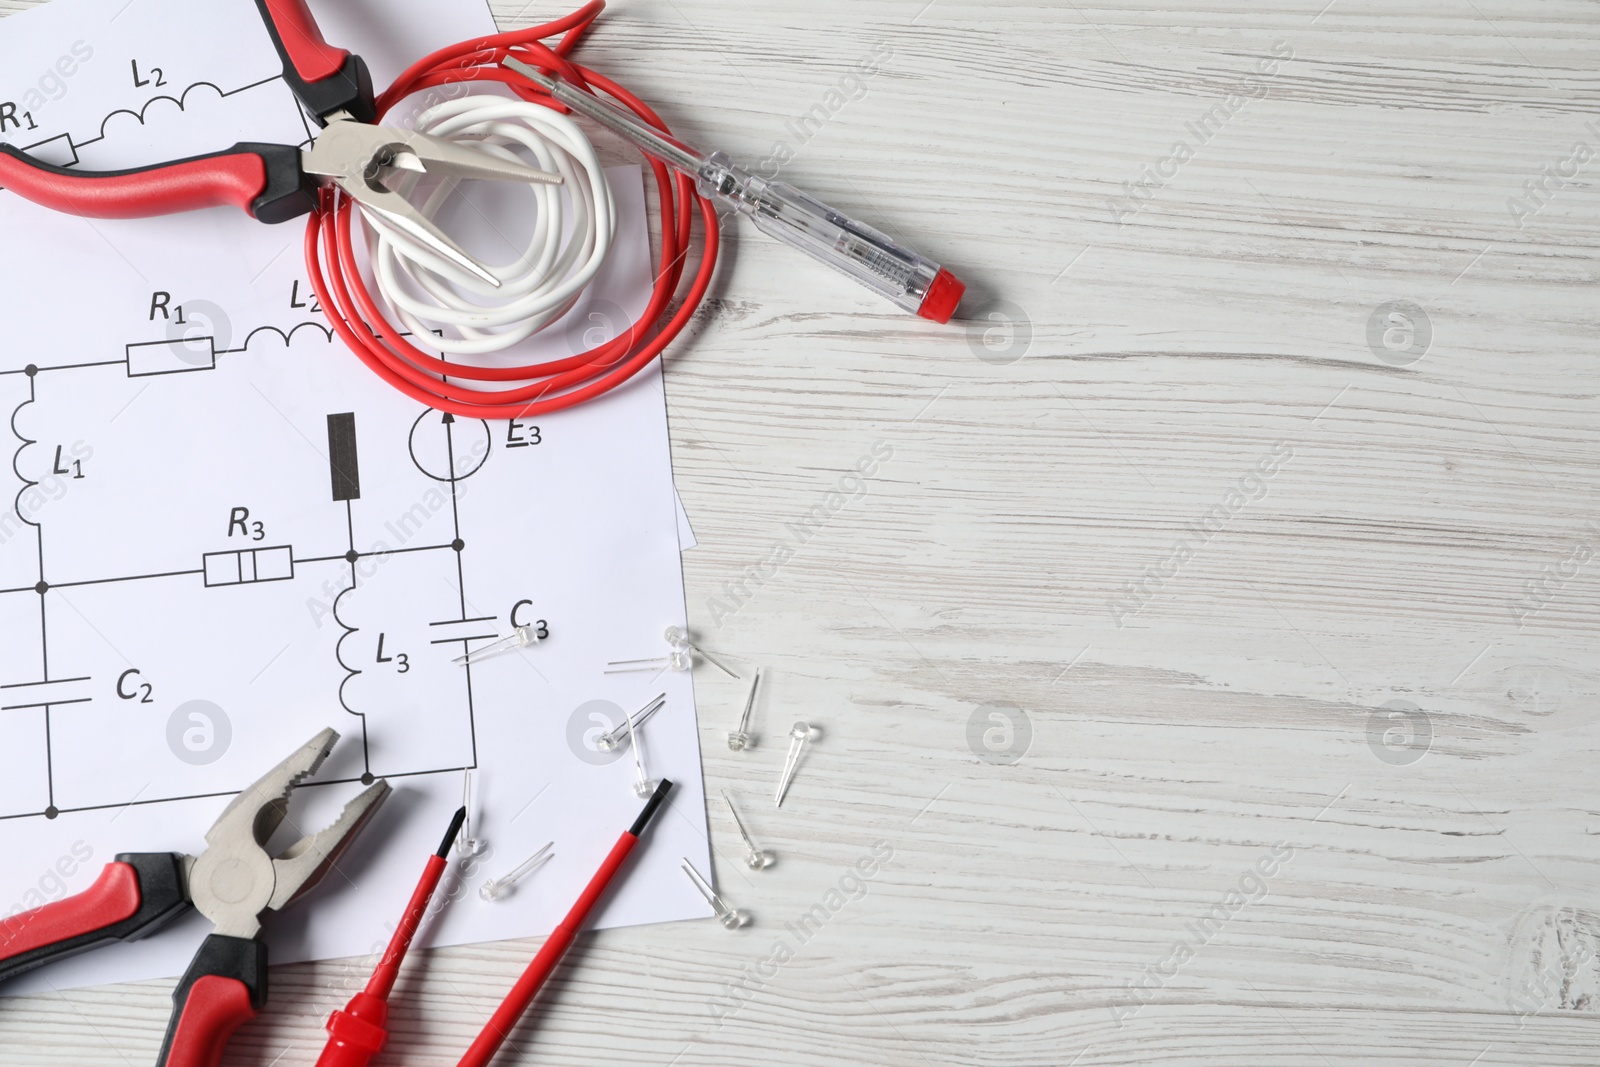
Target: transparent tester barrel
779, 210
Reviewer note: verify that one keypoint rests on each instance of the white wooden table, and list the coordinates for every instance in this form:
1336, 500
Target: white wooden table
1214, 642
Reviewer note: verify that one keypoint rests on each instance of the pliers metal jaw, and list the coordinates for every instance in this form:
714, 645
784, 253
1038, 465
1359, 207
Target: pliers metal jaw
234, 882
371, 163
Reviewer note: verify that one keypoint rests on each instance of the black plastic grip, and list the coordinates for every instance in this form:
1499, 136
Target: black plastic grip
290, 191
323, 78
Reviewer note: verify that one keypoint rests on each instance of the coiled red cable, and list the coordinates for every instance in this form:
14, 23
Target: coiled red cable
537, 388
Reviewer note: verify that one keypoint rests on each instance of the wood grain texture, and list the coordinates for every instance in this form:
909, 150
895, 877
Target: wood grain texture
1427, 540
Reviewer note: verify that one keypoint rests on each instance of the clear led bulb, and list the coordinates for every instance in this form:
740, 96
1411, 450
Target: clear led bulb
468, 846
612, 739
498, 888
728, 916
755, 857
799, 734
739, 739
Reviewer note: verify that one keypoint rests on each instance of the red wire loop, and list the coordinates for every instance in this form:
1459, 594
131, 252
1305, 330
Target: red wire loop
536, 388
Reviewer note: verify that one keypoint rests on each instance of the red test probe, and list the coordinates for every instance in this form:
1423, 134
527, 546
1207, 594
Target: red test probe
561, 938
358, 1033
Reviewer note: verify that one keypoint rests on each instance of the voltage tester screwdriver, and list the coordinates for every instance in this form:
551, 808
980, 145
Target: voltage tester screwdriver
913, 282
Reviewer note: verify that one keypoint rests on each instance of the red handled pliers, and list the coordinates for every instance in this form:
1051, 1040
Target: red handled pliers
233, 883
275, 183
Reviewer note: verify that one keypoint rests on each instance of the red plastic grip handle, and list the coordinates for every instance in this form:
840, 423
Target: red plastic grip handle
234, 178
113, 898
505, 1017
213, 1010
356, 1034
313, 58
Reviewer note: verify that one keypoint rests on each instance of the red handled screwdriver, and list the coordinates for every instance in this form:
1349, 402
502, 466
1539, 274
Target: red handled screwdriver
555, 946
358, 1033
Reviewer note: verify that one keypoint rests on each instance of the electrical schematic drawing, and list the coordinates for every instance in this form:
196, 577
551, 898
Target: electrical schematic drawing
67, 592
223, 530
298, 534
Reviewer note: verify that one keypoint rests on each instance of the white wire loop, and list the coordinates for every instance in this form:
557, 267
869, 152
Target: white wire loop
449, 309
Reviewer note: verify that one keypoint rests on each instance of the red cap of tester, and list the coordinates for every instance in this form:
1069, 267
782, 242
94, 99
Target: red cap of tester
943, 294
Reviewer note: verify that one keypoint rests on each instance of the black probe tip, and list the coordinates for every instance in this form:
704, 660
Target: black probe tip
650, 807
449, 841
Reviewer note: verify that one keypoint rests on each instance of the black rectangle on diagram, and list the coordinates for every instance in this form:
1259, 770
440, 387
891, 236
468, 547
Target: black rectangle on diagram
343, 466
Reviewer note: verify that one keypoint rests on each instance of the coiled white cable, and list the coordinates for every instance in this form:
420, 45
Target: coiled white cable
451, 310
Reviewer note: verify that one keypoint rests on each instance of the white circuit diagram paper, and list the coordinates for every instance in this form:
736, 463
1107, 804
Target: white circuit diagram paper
219, 532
